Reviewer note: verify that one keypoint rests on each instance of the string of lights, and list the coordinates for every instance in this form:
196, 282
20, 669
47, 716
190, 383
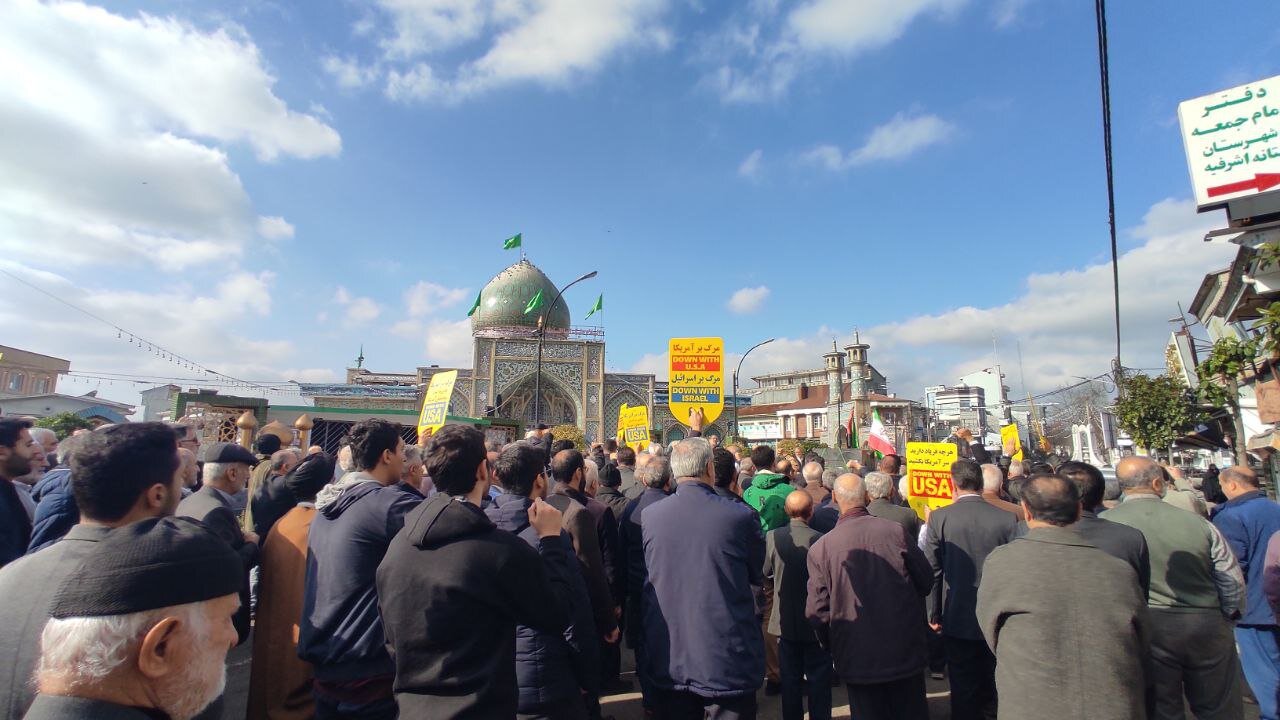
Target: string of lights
140, 342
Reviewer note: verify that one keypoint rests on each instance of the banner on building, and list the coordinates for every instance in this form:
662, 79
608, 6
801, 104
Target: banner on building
929, 475
696, 379
1011, 441
435, 404
633, 426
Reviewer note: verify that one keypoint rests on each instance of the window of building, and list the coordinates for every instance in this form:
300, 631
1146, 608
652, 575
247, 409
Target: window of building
42, 386
15, 382
789, 424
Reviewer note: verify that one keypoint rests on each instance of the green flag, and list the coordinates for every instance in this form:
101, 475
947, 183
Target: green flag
534, 303
597, 307
474, 307
512, 242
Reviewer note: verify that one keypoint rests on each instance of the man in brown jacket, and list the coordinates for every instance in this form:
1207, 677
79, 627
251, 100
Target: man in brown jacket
867, 583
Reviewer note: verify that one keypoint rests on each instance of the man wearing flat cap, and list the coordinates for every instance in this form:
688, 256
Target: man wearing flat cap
226, 470
142, 629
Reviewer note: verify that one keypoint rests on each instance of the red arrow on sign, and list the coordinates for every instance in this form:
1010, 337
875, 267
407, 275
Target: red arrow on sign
1259, 182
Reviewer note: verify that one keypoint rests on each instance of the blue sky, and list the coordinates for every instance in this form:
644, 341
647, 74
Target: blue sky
265, 188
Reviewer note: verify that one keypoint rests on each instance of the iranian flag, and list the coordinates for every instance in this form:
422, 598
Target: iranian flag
877, 439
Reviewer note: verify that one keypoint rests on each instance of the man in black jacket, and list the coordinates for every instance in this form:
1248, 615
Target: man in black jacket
552, 669
958, 539
656, 479
226, 470
453, 587
16, 452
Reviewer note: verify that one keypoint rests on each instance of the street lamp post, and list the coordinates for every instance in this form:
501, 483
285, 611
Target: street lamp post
735, 429
542, 335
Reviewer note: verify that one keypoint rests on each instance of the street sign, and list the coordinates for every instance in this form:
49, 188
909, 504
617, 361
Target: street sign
696, 379
633, 425
435, 404
929, 475
1232, 139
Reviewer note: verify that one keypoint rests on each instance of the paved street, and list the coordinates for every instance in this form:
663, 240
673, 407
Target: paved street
624, 706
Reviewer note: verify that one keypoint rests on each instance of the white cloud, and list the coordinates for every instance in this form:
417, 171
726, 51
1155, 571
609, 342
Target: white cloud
449, 344
356, 310
274, 227
899, 138
113, 126
760, 53
449, 50
747, 300
424, 298
849, 27
1006, 12
1062, 319
348, 73
750, 166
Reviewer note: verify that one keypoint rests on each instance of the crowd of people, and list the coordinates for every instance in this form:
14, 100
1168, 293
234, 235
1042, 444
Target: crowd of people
471, 578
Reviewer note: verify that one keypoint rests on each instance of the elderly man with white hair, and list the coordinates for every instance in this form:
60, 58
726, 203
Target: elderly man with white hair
992, 481
704, 553
142, 630
48, 442
226, 471
880, 491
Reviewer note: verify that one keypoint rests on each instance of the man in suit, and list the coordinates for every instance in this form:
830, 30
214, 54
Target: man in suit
957, 541
800, 656
226, 470
880, 489
1112, 538
1067, 622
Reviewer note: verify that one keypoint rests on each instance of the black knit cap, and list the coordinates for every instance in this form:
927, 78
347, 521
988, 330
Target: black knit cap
313, 473
151, 564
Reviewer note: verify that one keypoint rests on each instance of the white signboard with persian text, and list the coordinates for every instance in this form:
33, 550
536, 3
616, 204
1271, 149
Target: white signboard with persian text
1232, 140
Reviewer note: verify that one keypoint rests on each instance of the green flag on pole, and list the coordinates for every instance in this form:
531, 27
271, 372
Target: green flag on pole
534, 303
512, 242
597, 307
474, 307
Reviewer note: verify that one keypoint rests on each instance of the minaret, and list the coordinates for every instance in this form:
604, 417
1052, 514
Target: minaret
856, 353
835, 372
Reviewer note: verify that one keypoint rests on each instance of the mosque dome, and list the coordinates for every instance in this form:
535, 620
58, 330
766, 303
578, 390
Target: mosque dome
503, 300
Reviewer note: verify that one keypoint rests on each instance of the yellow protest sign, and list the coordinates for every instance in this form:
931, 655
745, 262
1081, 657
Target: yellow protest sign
697, 378
435, 403
929, 475
633, 425
1011, 440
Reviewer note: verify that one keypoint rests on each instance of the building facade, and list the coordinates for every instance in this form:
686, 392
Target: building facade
567, 384
23, 372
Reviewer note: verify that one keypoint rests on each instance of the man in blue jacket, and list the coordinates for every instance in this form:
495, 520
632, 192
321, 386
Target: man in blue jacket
703, 552
341, 632
552, 669
1248, 520
655, 478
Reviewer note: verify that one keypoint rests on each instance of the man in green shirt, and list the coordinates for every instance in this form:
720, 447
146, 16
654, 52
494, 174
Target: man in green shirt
1195, 597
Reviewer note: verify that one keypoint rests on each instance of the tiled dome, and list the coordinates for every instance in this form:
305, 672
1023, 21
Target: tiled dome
503, 300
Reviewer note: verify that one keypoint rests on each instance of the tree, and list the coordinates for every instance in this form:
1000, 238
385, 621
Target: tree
63, 424
1079, 405
1153, 410
1220, 382
570, 432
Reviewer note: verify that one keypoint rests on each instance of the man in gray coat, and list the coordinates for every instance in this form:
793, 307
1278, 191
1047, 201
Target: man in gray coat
1067, 621
800, 656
